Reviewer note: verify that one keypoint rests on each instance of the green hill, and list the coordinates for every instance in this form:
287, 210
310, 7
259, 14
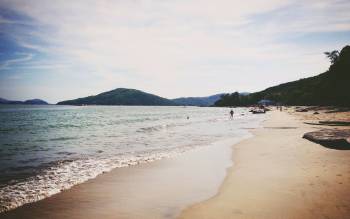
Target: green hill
197, 101
28, 102
329, 88
121, 96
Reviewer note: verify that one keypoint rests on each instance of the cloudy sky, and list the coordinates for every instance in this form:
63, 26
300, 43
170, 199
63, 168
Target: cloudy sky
57, 50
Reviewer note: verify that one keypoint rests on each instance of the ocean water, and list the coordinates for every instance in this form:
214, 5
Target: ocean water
48, 149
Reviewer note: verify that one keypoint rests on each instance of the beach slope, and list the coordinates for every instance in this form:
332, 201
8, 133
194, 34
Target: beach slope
278, 174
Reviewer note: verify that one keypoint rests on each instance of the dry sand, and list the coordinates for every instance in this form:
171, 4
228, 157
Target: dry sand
278, 174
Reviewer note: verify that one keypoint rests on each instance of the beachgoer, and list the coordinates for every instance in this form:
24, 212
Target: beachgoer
231, 114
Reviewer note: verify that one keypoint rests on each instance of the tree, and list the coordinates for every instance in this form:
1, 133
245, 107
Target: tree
333, 56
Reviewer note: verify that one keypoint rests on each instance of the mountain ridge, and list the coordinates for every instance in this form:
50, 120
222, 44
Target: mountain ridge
121, 96
27, 102
198, 101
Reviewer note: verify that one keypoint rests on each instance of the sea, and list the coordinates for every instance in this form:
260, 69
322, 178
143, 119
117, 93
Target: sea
47, 149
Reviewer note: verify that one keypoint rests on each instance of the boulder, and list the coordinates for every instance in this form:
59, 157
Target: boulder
331, 138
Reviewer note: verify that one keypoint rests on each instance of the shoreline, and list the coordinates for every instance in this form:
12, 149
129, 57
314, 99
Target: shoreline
158, 189
286, 177
126, 140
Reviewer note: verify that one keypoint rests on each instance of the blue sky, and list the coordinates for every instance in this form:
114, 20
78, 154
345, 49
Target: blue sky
57, 50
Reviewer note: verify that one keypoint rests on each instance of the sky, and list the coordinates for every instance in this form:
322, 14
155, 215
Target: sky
59, 50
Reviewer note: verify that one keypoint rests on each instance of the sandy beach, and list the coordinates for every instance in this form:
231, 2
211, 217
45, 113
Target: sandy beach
274, 174
174, 109
278, 174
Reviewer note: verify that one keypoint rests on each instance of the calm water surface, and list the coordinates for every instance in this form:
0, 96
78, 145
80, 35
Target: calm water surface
47, 149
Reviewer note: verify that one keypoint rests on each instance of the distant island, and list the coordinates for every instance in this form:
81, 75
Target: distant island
331, 88
28, 102
133, 97
122, 96
197, 101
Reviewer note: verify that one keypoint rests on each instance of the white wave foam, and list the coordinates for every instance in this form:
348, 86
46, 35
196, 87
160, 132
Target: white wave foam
64, 175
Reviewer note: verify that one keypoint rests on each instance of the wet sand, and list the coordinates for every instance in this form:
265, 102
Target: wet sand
278, 174
160, 189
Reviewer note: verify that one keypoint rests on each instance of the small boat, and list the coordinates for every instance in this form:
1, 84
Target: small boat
258, 111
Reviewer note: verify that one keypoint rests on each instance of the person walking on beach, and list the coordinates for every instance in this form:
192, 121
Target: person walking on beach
231, 114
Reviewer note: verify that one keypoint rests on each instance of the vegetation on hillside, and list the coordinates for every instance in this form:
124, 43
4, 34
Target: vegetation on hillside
197, 101
329, 88
121, 96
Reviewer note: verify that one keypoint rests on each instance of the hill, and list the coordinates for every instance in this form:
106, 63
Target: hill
28, 102
35, 102
329, 88
197, 101
121, 96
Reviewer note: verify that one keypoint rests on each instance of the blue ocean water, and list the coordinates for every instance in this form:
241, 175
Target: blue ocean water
47, 149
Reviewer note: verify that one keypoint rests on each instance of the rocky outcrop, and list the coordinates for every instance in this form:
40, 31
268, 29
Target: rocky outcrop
331, 138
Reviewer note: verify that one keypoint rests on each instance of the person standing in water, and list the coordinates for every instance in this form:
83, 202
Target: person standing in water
231, 114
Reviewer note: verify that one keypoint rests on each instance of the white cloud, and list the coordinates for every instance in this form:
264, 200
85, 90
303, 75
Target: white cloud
24, 57
184, 47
